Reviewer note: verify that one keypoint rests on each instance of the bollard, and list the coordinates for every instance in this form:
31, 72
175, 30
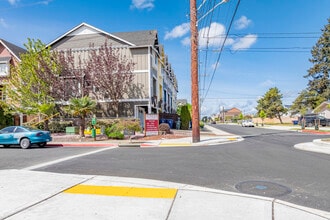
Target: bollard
94, 133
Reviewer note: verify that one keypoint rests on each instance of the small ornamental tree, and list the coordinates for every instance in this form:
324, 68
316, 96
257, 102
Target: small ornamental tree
262, 115
110, 73
102, 71
33, 82
81, 107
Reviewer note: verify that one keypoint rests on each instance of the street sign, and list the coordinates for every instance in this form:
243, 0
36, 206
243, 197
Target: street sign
151, 124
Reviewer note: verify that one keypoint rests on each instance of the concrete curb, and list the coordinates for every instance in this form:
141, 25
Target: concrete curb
317, 146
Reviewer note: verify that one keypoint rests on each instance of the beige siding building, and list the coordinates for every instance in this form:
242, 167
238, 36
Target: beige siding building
155, 86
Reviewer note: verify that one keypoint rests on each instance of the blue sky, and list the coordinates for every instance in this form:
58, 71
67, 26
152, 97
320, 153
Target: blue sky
268, 45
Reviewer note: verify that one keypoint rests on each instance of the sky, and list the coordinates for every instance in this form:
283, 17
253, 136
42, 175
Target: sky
246, 47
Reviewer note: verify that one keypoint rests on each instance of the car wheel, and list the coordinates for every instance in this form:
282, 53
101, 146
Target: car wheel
25, 143
42, 144
310, 124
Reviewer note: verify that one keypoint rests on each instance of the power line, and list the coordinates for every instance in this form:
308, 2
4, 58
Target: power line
223, 44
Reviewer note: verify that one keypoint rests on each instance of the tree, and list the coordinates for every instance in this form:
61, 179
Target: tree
241, 116
300, 104
110, 73
5, 119
103, 72
73, 76
262, 115
271, 104
81, 107
34, 81
185, 117
318, 89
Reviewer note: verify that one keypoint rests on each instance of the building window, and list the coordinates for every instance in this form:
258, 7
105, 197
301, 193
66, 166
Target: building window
4, 66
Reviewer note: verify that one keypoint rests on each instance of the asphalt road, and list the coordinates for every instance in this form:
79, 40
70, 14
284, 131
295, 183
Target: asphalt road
265, 156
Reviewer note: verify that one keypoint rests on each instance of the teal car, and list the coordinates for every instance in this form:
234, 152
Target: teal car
23, 136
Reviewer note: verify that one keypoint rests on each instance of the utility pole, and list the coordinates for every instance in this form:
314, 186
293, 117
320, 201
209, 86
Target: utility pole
194, 72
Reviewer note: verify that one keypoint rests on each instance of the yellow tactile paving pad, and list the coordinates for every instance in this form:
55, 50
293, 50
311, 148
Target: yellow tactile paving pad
162, 193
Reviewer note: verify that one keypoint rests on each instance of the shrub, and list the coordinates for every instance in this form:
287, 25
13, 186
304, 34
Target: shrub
164, 127
201, 124
116, 135
131, 125
185, 117
59, 126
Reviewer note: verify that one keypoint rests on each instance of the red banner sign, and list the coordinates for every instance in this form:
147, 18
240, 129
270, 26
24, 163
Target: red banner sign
151, 124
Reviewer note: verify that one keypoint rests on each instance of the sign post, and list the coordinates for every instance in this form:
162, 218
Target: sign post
151, 122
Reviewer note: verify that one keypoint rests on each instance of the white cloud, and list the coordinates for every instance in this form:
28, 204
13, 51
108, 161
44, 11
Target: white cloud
186, 41
178, 31
3, 23
13, 2
46, 2
245, 42
242, 23
143, 4
211, 36
267, 83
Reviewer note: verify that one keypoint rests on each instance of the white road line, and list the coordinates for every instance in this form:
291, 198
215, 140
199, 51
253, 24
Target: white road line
65, 159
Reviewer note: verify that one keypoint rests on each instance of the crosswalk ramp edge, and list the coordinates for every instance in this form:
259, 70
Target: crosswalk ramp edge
161, 193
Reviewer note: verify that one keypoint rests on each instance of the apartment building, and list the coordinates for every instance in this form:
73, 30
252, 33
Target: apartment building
155, 85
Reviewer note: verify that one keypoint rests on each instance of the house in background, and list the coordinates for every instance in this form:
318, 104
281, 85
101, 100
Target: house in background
229, 114
155, 86
323, 109
9, 56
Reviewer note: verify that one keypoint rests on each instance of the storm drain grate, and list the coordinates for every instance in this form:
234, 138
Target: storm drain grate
263, 188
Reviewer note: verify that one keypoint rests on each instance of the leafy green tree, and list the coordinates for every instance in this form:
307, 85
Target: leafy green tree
34, 82
271, 104
241, 116
262, 115
318, 89
46, 110
319, 72
178, 111
185, 117
5, 119
302, 104
81, 107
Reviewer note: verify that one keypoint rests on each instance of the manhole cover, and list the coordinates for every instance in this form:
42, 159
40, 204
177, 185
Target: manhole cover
263, 188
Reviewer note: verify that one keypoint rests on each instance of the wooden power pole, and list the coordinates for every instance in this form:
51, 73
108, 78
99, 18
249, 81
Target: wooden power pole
194, 72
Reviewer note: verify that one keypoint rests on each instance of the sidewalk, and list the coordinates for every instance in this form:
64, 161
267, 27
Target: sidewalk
212, 137
32, 195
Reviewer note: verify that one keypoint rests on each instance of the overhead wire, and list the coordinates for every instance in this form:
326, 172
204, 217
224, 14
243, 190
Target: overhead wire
221, 49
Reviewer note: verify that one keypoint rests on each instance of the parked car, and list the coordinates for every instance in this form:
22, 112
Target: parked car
311, 119
247, 123
23, 136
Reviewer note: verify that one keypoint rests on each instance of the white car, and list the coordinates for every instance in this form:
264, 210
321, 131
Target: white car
247, 123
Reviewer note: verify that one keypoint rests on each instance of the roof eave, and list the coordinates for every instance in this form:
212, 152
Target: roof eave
11, 52
92, 27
